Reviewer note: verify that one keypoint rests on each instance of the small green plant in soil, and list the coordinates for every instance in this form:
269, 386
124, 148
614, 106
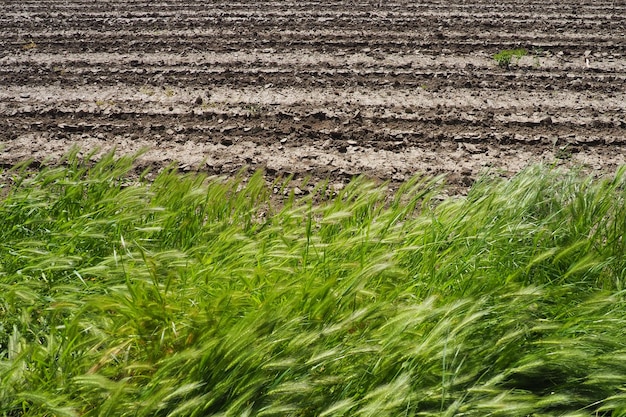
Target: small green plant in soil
195, 296
536, 53
505, 58
29, 46
563, 152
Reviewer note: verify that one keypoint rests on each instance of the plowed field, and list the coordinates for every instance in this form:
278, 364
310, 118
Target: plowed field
323, 89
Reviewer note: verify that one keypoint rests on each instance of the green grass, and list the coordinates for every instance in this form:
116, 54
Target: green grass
185, 296
504, 58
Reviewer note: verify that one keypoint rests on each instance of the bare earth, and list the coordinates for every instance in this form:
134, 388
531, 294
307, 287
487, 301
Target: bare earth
317, 89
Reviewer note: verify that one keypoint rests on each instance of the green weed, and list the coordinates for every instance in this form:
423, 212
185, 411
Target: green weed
505, 58
29, 46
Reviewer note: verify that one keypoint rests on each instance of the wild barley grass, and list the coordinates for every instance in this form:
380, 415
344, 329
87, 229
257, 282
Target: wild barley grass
189, 296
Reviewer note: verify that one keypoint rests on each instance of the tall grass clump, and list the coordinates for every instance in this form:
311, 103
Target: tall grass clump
195, 296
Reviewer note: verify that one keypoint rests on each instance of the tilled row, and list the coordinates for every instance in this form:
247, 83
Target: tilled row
370, 126
596, 80
17, 40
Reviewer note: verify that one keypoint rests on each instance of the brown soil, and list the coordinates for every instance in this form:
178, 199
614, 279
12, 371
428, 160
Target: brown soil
321, 90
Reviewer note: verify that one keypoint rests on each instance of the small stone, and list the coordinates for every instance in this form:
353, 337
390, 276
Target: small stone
545, 121
471, 148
